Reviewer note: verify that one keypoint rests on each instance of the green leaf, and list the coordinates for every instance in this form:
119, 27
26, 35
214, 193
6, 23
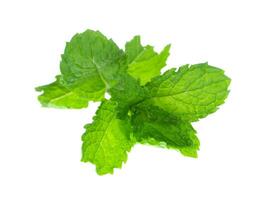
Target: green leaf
126, 92
144, 107
190, 93
155, 126
58, 96
133, 48
106, 140
143, 62
90, 62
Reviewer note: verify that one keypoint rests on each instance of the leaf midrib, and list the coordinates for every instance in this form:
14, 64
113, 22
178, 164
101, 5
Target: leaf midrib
104, 135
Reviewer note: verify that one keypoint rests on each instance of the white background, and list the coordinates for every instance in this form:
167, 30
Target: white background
40, 147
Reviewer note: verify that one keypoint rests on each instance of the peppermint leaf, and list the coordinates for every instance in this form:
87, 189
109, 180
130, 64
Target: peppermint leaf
143, 62
191, 93
90, 62
155, 126
56, 95
144, 107
106, 140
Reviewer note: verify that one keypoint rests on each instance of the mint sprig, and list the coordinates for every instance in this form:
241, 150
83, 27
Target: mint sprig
145, 107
